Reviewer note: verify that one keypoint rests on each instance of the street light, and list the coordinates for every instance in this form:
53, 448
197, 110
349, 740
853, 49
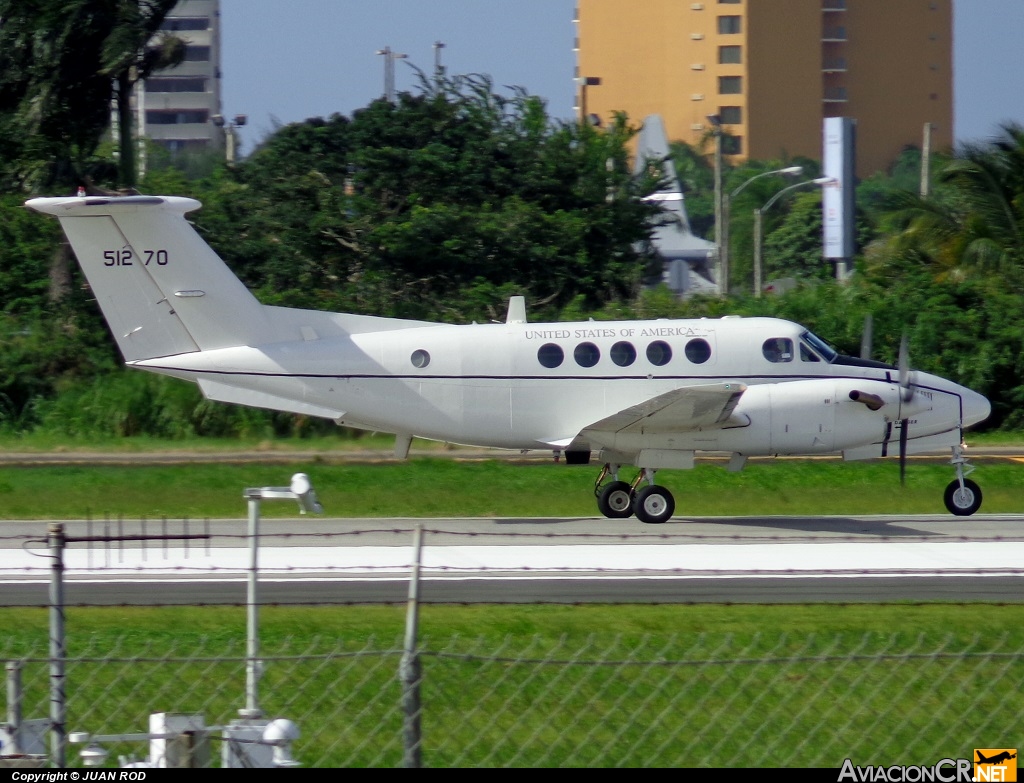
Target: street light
727, 206
587, 81
722, 268
759, 231
230, 139
389, 71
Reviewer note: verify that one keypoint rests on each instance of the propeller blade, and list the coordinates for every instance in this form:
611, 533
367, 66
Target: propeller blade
903, 364
867, 337
904, 428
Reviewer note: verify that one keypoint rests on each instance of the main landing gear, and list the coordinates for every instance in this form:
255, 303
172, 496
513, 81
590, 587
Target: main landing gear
617, 499
962, 496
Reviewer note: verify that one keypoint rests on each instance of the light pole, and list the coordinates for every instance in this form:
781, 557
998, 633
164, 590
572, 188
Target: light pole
438, 68
389, 71
721, 262
759, 230
727, 206
230, 140
586, 81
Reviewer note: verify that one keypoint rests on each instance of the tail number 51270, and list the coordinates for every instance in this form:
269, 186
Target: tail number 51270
126, 257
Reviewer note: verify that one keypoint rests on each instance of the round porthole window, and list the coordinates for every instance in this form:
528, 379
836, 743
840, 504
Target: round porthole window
550, 355
698, 351
623, 354
659, 353
420, 359
586, 354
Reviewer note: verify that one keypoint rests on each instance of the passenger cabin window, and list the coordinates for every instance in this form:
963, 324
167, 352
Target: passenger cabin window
623, 354
778, 349
698, 350
586, 354
550, 355
659, 353
420, 359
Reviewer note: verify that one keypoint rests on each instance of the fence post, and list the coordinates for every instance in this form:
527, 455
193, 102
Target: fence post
409, 670
58, 702
14, 707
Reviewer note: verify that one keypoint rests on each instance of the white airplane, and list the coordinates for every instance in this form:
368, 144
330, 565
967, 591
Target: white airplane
649, 394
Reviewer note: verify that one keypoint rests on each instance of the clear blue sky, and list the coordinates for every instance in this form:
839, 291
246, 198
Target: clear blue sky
287, 60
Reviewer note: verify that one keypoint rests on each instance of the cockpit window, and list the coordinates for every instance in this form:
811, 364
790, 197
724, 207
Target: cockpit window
819, 346
778, 349
807, 355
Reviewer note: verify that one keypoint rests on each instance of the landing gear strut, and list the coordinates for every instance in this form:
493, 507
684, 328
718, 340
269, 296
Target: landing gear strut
617, 499
962, 496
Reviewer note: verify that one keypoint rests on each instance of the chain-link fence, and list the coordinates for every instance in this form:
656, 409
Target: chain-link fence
526, 700
652, 701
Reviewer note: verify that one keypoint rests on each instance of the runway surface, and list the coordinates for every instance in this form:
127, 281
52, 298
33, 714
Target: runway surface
764, 559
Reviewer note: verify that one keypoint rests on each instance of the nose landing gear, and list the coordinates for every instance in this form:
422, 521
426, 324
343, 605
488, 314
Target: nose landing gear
962, 496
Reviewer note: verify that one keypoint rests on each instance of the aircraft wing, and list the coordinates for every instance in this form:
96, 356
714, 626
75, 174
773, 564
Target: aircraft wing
680, 410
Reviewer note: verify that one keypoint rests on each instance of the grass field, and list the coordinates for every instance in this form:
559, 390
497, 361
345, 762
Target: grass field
872, 699
446, 487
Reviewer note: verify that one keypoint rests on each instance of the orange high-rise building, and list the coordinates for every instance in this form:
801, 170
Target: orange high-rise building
772, 70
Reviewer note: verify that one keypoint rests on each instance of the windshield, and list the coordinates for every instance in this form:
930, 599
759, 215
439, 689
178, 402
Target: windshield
824, 349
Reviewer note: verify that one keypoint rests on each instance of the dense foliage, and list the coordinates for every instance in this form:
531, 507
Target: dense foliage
441, 205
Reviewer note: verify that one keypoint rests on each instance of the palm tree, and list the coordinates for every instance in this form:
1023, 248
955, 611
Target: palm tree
973, 224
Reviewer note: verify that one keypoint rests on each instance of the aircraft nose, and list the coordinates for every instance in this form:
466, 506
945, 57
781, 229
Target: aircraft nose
976, 408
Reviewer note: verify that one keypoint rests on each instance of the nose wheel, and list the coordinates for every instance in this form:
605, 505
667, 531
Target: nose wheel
963, 500
962, 496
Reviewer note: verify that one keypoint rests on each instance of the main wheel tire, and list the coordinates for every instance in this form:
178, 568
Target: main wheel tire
963, 502
653, 504
615, 500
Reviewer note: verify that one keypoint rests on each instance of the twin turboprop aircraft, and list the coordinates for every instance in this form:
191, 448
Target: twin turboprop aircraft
647, 394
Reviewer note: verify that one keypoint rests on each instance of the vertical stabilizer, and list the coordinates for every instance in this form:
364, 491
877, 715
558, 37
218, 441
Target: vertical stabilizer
161, 288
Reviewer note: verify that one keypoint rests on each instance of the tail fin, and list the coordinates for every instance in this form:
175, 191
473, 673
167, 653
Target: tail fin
161, 288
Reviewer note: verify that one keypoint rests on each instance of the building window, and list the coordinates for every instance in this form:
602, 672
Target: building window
729, 25
730, 85
176, 84
728, 2
732, 145
730, 55
187, 117
197, 54
730, 115
180, 23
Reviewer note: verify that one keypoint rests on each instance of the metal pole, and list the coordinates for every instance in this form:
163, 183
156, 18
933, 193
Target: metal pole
926, 154
438, 68
252, 664
723, 261
58, 703
410, 665
14, 698
758, 242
